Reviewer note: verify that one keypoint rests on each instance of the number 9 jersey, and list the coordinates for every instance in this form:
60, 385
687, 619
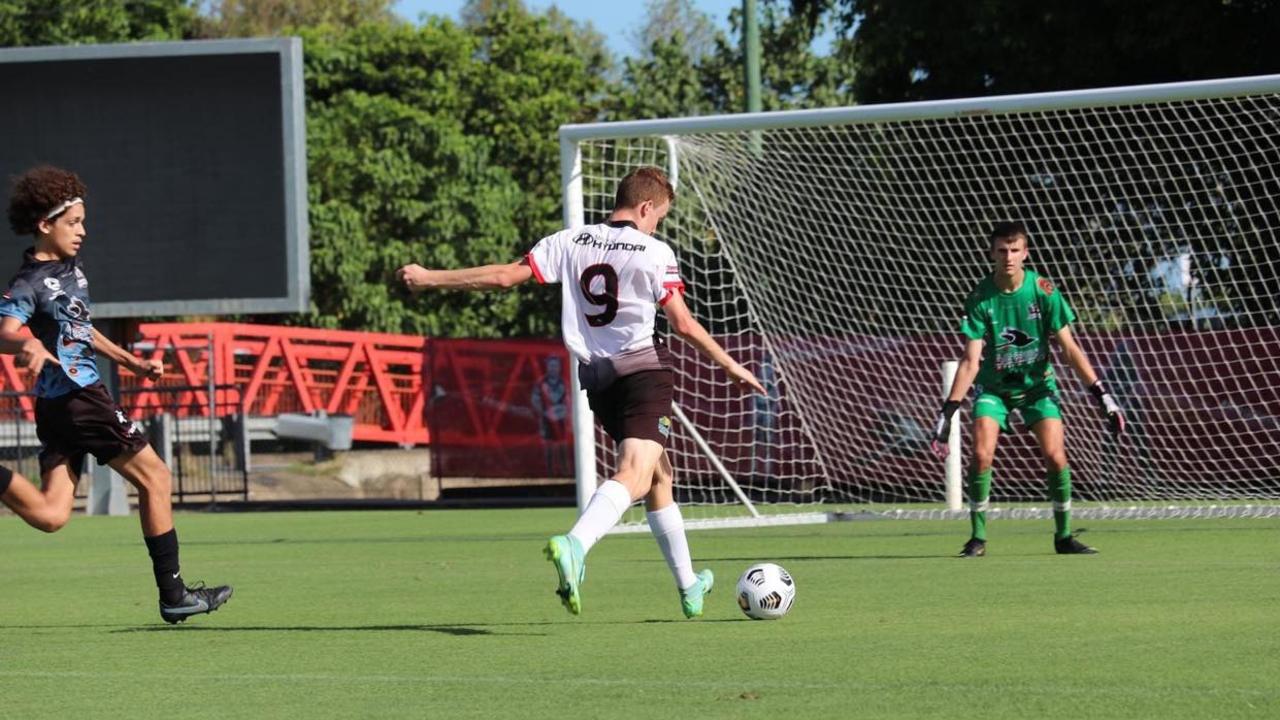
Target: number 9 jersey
613, 277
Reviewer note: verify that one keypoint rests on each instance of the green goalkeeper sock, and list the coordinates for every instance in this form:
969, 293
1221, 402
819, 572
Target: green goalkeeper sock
1060, 494
979, 494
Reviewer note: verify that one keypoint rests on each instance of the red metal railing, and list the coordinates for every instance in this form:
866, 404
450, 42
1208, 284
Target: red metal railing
374, 377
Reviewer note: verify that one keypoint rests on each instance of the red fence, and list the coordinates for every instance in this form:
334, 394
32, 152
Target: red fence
376, 378
491, 407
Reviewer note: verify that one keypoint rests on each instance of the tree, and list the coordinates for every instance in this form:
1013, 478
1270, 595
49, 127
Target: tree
438, 144
394, 176
72, 22
672, 80
534, 73
931, 49
667, 19
257, 18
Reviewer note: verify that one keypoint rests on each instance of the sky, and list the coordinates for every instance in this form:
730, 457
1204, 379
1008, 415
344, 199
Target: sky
613, 18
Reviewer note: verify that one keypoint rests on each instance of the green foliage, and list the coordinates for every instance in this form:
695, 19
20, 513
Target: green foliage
395, 177
82, 22
670, 79
254, 18
930, 49
438, 145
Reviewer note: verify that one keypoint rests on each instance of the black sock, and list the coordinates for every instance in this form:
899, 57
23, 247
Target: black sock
6, 477
164, 562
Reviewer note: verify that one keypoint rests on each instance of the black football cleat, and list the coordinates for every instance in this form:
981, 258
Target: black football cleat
974, 548
196, 600
1071, 546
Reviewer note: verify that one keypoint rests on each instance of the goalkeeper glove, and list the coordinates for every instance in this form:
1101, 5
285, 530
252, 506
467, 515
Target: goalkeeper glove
1109, 408
942, 428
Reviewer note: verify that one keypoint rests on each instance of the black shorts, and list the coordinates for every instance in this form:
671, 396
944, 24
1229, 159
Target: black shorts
84, 421
636, 406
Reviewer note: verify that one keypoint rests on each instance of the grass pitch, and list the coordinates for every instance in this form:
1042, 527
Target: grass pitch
451, 614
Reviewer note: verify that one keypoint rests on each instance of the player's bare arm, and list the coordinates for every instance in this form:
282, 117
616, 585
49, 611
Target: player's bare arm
1079, 362
416, 278
687, 326
27, 352
966, 371
150, 369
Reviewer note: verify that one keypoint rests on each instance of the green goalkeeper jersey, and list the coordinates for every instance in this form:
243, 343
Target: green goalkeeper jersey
1017, 327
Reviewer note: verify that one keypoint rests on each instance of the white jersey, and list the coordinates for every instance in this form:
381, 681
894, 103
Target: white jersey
612, 278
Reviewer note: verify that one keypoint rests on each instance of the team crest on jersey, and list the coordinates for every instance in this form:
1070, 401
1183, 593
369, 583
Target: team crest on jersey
1013, 337
1045, 286
77, 308
1033, 311
81, 280
664, 426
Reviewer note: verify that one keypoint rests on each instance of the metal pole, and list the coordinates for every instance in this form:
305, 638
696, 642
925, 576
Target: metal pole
751, 54
584, 432
107, 495
751, 68
954, 500
213, 424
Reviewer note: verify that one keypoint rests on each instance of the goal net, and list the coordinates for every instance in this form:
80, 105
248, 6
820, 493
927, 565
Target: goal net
832, 251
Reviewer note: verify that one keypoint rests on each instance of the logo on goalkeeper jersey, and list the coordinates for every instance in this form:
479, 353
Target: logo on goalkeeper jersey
1033, 311
1013, 337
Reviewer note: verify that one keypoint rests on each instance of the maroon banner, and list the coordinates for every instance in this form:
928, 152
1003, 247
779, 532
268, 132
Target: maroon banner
499, 408
1203, 413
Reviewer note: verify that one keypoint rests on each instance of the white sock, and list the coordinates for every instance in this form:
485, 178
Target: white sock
603, 512
667, 526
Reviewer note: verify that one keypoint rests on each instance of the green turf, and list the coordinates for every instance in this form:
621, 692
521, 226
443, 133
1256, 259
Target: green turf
451, 614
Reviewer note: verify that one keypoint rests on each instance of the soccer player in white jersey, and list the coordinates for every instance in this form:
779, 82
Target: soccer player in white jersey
613, 277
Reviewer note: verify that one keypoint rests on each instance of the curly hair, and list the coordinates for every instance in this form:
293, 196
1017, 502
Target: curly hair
36, 192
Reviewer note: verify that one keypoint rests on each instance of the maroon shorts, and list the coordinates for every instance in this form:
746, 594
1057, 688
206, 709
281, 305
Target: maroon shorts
636, 406
84, 421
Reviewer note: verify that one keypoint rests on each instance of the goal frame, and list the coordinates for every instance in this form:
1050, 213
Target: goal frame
573, 135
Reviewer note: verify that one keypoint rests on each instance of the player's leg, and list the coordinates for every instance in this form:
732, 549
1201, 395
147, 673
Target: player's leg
667, 525
46, 508
633, 411
636, 461
1045, 419
147, 472
990, 415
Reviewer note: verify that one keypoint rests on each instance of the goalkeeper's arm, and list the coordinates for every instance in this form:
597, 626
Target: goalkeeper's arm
1076, 358
965, 374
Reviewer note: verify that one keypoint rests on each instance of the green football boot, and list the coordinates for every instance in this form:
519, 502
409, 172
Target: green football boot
566, 553
691, 597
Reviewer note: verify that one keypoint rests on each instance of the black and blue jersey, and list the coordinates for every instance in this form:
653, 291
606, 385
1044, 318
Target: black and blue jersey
52, 298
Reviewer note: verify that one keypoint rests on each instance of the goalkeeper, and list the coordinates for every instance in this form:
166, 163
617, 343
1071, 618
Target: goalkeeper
1009, 319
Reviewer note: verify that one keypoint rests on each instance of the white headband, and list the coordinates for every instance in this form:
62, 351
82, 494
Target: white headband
63, 208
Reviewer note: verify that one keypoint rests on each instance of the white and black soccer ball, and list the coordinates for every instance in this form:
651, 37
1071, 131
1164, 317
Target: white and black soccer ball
766, 591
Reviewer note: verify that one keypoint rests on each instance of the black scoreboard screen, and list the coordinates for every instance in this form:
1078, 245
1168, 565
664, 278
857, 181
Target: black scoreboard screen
193, 154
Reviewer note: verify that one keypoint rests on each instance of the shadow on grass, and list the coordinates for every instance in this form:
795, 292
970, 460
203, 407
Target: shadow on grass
455, 630
805, 558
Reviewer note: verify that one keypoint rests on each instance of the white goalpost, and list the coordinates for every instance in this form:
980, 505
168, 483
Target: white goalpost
831, 250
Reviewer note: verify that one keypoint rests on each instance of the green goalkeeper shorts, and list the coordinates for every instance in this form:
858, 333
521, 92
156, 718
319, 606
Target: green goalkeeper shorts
1034, 406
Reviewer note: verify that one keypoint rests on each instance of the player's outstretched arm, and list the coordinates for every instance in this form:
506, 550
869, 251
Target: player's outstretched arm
416, 278
151, 369
1076, 358
28, 352
966, 371
687, 326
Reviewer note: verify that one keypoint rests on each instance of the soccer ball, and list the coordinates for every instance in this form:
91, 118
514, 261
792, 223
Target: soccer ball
766, 591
